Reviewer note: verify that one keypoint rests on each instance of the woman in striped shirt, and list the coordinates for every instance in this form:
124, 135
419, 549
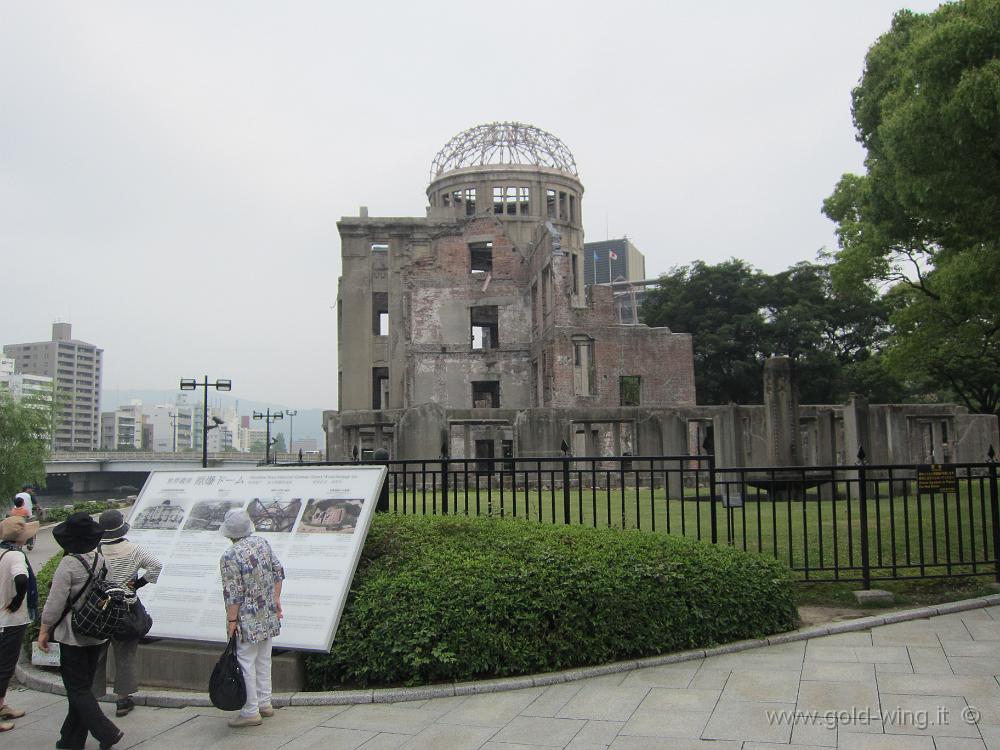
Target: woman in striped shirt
124, 560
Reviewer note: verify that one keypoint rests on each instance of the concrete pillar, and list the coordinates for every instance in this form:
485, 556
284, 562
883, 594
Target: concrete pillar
781, 408
857, 430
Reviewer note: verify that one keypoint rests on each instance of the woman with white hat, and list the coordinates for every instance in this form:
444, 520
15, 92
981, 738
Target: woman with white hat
251, 588
18, 597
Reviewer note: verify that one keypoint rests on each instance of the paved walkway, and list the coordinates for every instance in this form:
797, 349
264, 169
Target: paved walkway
928, 684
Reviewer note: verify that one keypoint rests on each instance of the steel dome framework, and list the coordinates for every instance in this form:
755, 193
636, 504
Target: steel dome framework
503, 143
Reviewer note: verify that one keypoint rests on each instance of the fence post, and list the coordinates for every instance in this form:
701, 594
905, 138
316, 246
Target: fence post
445, 471
994, 511
712, 497
866, 571
565, 480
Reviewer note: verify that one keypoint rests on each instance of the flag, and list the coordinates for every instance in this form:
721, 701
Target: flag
612, 255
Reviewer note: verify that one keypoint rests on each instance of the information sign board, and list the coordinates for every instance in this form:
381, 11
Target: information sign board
315, 519
936, 478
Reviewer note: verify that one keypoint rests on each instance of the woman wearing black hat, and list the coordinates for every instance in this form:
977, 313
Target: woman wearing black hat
78, 655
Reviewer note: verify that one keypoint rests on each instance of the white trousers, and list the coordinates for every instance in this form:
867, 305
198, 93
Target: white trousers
255, 661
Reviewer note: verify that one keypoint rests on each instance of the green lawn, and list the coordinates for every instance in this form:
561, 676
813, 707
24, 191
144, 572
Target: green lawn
910, 535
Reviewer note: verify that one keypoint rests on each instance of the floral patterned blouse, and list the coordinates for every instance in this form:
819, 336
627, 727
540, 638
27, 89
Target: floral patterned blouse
249, 572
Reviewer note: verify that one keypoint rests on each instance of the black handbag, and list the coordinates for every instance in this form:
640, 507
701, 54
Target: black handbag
136, 623
226, 687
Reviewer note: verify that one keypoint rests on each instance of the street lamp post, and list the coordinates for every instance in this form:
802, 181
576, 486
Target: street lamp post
189, 384
290, 413
269, 417
173, 421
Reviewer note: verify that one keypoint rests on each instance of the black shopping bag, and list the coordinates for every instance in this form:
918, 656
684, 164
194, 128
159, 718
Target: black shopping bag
226, 687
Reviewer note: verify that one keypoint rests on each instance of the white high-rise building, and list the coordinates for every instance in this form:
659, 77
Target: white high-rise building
23, 385
122, 429
76, 368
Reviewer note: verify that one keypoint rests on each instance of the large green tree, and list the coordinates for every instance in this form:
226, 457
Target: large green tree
25, 437
739, 316
924, 220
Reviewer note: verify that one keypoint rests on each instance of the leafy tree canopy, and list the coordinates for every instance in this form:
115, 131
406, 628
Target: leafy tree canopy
925, 218
739, 316
25, 436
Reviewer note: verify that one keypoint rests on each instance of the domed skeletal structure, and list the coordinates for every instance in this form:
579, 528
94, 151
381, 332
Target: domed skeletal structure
503, 143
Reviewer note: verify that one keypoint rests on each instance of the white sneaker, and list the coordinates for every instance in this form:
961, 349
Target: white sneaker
267, 711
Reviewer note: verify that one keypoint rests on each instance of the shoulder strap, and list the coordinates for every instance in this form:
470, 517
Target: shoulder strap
90, 578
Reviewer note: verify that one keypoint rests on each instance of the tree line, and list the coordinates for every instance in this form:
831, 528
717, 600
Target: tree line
907, 308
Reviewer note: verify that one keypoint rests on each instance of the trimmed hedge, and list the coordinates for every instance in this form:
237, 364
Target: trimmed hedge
58, 513
450, 598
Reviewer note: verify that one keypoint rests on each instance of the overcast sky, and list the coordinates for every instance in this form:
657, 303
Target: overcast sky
171, 174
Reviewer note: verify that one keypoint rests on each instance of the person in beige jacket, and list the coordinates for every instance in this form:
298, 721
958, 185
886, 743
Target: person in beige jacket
79, 536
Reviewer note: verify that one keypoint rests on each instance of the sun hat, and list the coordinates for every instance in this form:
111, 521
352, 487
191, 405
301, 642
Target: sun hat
78, 534
113, 523
237, 524
16, 529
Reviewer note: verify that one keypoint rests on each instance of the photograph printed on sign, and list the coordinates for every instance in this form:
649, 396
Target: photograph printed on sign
208, 515
274, 515
163, 516
331, 516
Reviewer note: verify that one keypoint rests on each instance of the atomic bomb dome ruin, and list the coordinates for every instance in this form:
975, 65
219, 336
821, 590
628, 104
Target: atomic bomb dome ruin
470, 332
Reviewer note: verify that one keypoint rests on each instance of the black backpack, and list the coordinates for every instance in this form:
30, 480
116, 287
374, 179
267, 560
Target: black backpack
104, 605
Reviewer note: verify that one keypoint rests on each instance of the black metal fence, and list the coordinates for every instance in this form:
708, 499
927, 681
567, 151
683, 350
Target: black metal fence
827, 523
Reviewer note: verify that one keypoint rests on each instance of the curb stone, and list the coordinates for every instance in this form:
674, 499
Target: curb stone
43, 681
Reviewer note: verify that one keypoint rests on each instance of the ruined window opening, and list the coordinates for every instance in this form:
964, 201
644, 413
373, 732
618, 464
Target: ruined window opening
485, 394
446, 200
547, 293
534, 304
498, 200
562, 206
523, 201
550, 203
572, 209
380, 313
484, 324
481, 255
575, 262
484, 454
534, 383
507, 451
456, 198
510, 196
380, 387
546, 379
584, 372
630, 390
470, 201
380, 247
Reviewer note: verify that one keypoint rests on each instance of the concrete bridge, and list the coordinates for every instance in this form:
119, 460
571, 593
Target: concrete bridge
99, 471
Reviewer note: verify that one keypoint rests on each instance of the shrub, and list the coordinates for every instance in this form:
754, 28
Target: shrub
43, 577
460, 598
59, 513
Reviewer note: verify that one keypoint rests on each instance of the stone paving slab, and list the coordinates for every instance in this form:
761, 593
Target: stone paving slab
902, 685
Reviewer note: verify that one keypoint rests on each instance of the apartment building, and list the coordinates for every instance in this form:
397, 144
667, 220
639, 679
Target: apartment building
76, 369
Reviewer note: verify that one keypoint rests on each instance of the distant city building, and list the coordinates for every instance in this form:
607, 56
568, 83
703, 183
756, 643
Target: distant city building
305, 445
612, 260
23, 385
171, 427
76, 368
122, 429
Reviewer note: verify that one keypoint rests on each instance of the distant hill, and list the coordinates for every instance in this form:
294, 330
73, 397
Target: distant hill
308, 423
